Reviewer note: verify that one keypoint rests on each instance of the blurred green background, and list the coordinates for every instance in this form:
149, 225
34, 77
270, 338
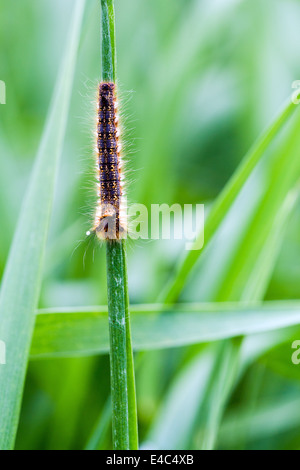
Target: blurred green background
199, 81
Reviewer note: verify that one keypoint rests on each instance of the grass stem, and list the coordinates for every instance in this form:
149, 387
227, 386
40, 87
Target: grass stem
118, 351
123, 395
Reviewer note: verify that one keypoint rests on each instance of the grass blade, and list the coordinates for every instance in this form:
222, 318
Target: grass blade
118, 351
132, 404
181, 400
22, 278
277, 417
69, 332
98, 436
226, 199
249, 281
123, 396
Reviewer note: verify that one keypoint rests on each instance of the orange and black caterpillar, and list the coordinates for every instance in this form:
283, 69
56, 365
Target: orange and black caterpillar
110, 223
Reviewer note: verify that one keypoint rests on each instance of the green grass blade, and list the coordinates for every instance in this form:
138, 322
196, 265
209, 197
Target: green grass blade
109, 59
181, 400
22, 278
258, 248
222, 379
118, 347
99, 434
116, 282
270, 418
123, 395
226, 199
68, 332
132, 404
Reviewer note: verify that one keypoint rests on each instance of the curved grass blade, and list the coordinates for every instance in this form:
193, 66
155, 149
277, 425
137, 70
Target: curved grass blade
225, 200
258, 248
22, 278
98, 436
181, 400
269, 419
69, 332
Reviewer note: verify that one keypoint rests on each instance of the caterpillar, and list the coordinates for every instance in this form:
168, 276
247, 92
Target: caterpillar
110, 220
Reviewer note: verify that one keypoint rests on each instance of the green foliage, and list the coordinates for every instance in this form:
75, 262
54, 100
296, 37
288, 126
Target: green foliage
215, 369
84, 332
22, 278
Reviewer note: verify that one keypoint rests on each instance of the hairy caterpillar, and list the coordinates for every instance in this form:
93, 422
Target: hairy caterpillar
110, 221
